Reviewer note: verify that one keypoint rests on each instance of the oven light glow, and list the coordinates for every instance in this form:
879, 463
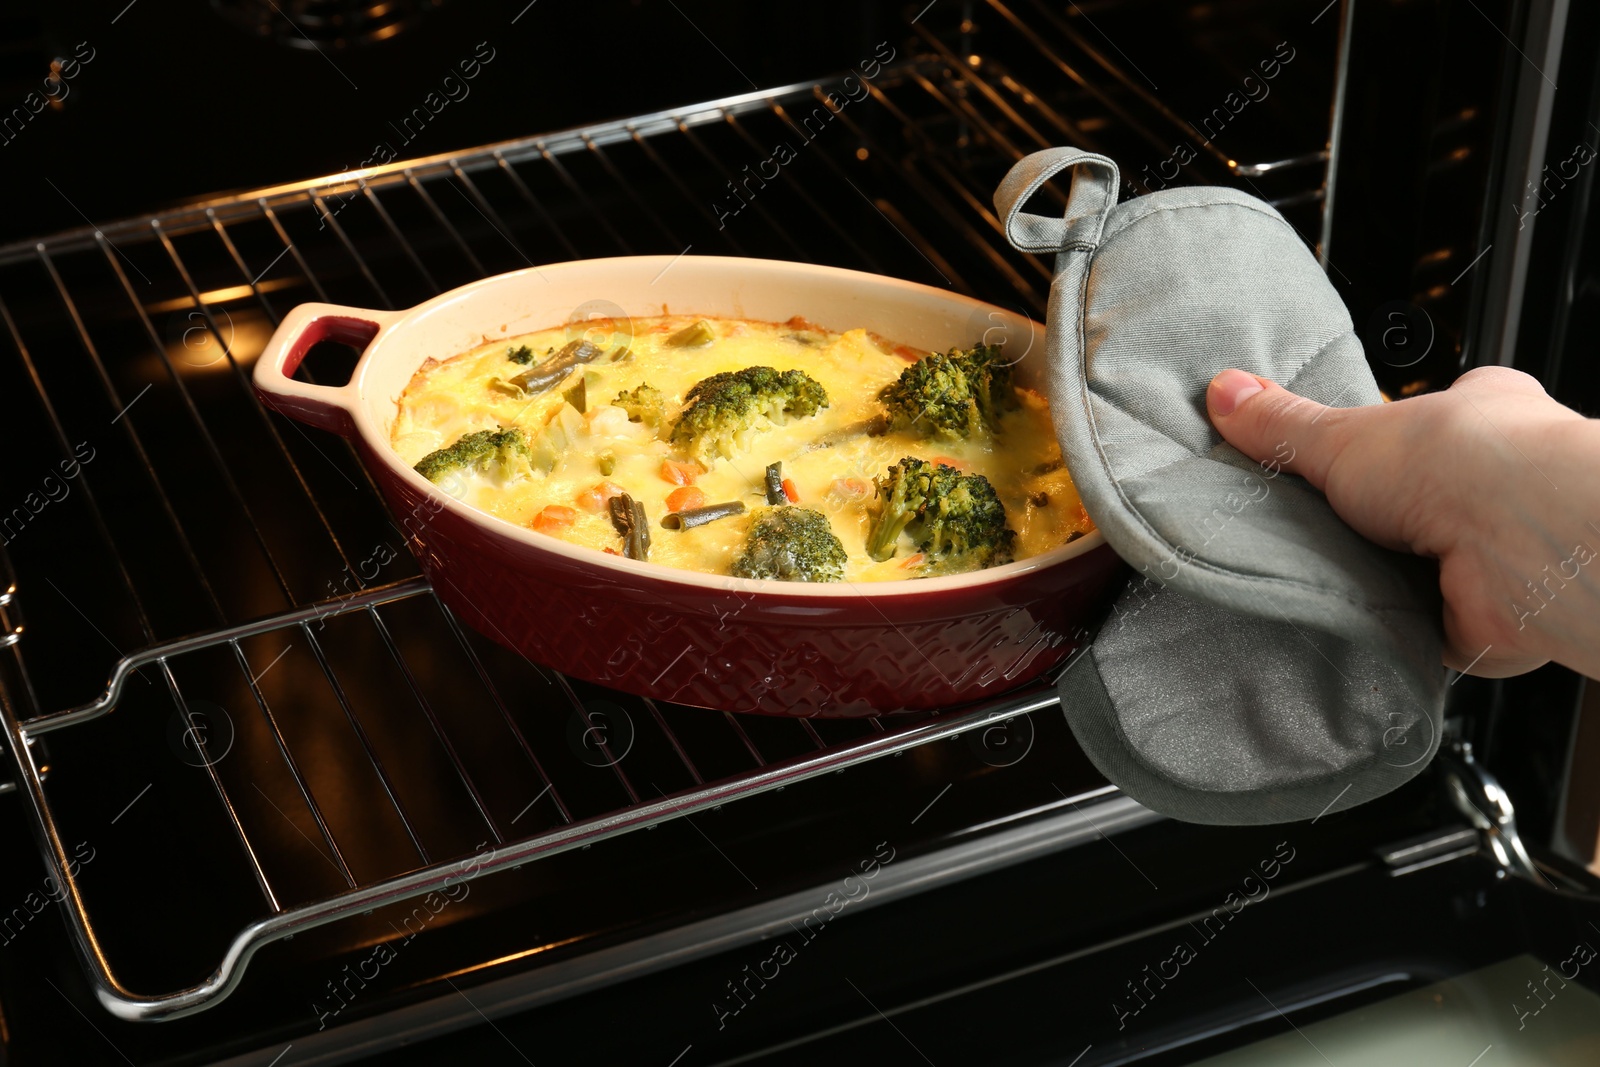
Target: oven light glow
222, 296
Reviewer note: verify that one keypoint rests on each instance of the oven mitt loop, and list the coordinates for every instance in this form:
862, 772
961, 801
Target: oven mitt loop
1266, 664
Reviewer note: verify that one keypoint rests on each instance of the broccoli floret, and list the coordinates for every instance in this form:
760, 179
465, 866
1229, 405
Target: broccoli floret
993, 389
642, 404
486, 450
521, 354
956, 520
952, 394
722, 411
791, 544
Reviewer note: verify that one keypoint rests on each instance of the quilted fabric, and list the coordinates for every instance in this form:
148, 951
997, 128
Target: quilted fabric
1269, 664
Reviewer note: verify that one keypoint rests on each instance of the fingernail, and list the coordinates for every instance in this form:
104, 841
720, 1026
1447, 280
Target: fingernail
1230, 389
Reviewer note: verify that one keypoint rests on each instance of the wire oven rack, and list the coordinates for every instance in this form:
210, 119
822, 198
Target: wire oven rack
393, 234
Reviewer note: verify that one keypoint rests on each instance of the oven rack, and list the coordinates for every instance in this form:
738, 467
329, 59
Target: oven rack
337, 239
504, 854
976, 91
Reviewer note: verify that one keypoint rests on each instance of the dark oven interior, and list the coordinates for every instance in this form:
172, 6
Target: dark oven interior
331, 731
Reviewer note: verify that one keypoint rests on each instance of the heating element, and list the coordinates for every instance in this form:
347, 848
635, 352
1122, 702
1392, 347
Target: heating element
237, 579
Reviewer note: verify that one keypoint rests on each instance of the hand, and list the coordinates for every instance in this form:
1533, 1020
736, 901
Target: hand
1493, 478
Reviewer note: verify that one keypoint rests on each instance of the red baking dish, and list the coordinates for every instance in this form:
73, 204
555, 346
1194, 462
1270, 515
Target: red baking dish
774, 648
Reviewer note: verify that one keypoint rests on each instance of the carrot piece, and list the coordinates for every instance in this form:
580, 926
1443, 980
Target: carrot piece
852, 487
790, 492
597, 496
948, 461
678, 472
913, 560
685, 499
554, 517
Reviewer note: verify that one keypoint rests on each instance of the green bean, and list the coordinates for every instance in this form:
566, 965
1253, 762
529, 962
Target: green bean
629, 519
688, 520
553, 371
775, 493
694, 335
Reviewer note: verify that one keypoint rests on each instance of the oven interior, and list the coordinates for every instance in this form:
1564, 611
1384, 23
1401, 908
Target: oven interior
331, 726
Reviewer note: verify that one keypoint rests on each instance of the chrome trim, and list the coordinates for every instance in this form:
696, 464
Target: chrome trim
125, 1004
1341, 81
401, 171
1430, 850
321, 609
1111, 813
1255, 170
1511, 224
1477, 794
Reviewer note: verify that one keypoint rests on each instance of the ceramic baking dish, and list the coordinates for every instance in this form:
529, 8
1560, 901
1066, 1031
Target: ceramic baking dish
733, 644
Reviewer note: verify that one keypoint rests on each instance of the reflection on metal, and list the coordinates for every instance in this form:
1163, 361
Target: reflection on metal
323, 609
324, 25
1430, 849
1478, 795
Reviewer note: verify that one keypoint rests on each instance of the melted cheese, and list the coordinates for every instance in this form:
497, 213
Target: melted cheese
447, 399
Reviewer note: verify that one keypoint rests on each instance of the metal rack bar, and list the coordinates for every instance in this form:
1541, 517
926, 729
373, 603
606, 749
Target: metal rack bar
229, 481
283, 235
331, 220
527, 194
689, 198
125, 1004
672, 739
253, 281
505, 712
204, 750
400, 238
516, 150
366, 742
749, 745
984, 248
126, 417
96, 514
486, 209
1093, 88
963, 71
444, 221
918, 240
923, 250
613, 762
628, 188
963, 111
433, 720
261, 412
577, 190
811, 732
710, 157
561, 142
294, 767
43, 724
1025, 96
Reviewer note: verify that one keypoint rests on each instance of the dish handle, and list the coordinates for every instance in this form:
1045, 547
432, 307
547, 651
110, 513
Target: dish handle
326, 407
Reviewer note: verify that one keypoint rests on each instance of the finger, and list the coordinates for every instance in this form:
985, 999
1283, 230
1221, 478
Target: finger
1270, 424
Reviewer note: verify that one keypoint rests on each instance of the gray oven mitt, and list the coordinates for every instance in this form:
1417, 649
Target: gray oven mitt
1267, 663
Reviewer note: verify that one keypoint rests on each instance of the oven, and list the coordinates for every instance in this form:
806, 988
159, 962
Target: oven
272, 803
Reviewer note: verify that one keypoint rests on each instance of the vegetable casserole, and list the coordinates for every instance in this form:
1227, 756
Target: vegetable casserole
756, 449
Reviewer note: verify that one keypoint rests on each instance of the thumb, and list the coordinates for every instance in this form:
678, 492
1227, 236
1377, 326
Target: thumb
1270, 424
